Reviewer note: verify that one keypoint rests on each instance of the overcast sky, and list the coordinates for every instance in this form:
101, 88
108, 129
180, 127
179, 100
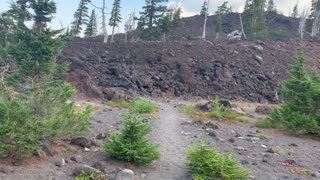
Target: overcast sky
66, 8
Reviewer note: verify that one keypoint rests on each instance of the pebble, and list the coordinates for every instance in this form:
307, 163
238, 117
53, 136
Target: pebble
315, 174
264, 146
77, 158
86, 149
231, 140
101, 136
60, 163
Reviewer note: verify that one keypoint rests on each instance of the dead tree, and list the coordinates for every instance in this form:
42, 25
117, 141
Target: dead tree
205, 21
302, 24
104, 24
316, 24
242, 29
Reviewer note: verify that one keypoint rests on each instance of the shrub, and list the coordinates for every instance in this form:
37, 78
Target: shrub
215, 114
301, 113
120, 104
41, 112
131, 144
280, 33
205, 163
191, 36
86, 176
220, 111
141, 106
264, 124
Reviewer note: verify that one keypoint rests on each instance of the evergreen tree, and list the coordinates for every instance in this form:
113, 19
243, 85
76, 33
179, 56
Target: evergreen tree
18, 12
271, 7
177, 16
204, 8
131, 144
300, 114
165, 24
37, 99
92, 29
43, 10
218, 28
223, 9
115, 18
153, 11
255, 19
80, 17
295, 12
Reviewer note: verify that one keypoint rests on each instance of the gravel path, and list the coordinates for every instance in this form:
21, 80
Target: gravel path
170, 135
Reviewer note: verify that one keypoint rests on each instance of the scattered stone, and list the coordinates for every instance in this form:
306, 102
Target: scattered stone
238, 110
101, 136
267, 155
3, 171
231, 140
240, 148
77, 158
46, 146
82, 142
86, 149
212, 133
125, 174
264, 146
100, 166
293, 145
292, 162
270, 151
212, 125
315, 174
207, 107
258, 58
95, 143
254, 163
265, 110
243, 162
60, 163
264, 160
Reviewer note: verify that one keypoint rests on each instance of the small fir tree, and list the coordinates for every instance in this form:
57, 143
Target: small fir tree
92, 29
218, 28
115, 18
177, 16
301, 92
131, 144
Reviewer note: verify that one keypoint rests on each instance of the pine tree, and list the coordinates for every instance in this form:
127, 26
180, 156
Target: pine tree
165, 24
115, 18
204, 8
255, 19
131, 144
177, 16
80, 17
91, 29
43, 10
271, 7
18, 12
153, 11
223, 9
218, 28
315, 6
295, 12
300, 114
37, 99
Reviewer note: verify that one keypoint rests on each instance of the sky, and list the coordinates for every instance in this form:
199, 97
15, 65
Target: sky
66, 8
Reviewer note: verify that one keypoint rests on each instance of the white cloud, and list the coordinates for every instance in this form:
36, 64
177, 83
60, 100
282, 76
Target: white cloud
193, 7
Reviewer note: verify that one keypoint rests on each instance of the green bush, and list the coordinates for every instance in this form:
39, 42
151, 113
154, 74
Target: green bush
39, 113
191, 36
141, 106
215, 114
219, 111
264, 124
121, 104
301, 112
205, 163
131, 144
86, 176
280, 33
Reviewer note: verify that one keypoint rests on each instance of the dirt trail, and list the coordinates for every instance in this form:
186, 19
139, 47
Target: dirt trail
173, 140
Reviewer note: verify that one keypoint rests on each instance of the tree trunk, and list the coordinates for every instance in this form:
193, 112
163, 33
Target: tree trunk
217, 35
243, 33
126, 37
104, 26
112, 40
205, 22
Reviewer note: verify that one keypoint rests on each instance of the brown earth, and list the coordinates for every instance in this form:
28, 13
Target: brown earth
241, 70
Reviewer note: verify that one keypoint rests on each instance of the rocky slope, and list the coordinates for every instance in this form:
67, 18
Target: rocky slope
242, 70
